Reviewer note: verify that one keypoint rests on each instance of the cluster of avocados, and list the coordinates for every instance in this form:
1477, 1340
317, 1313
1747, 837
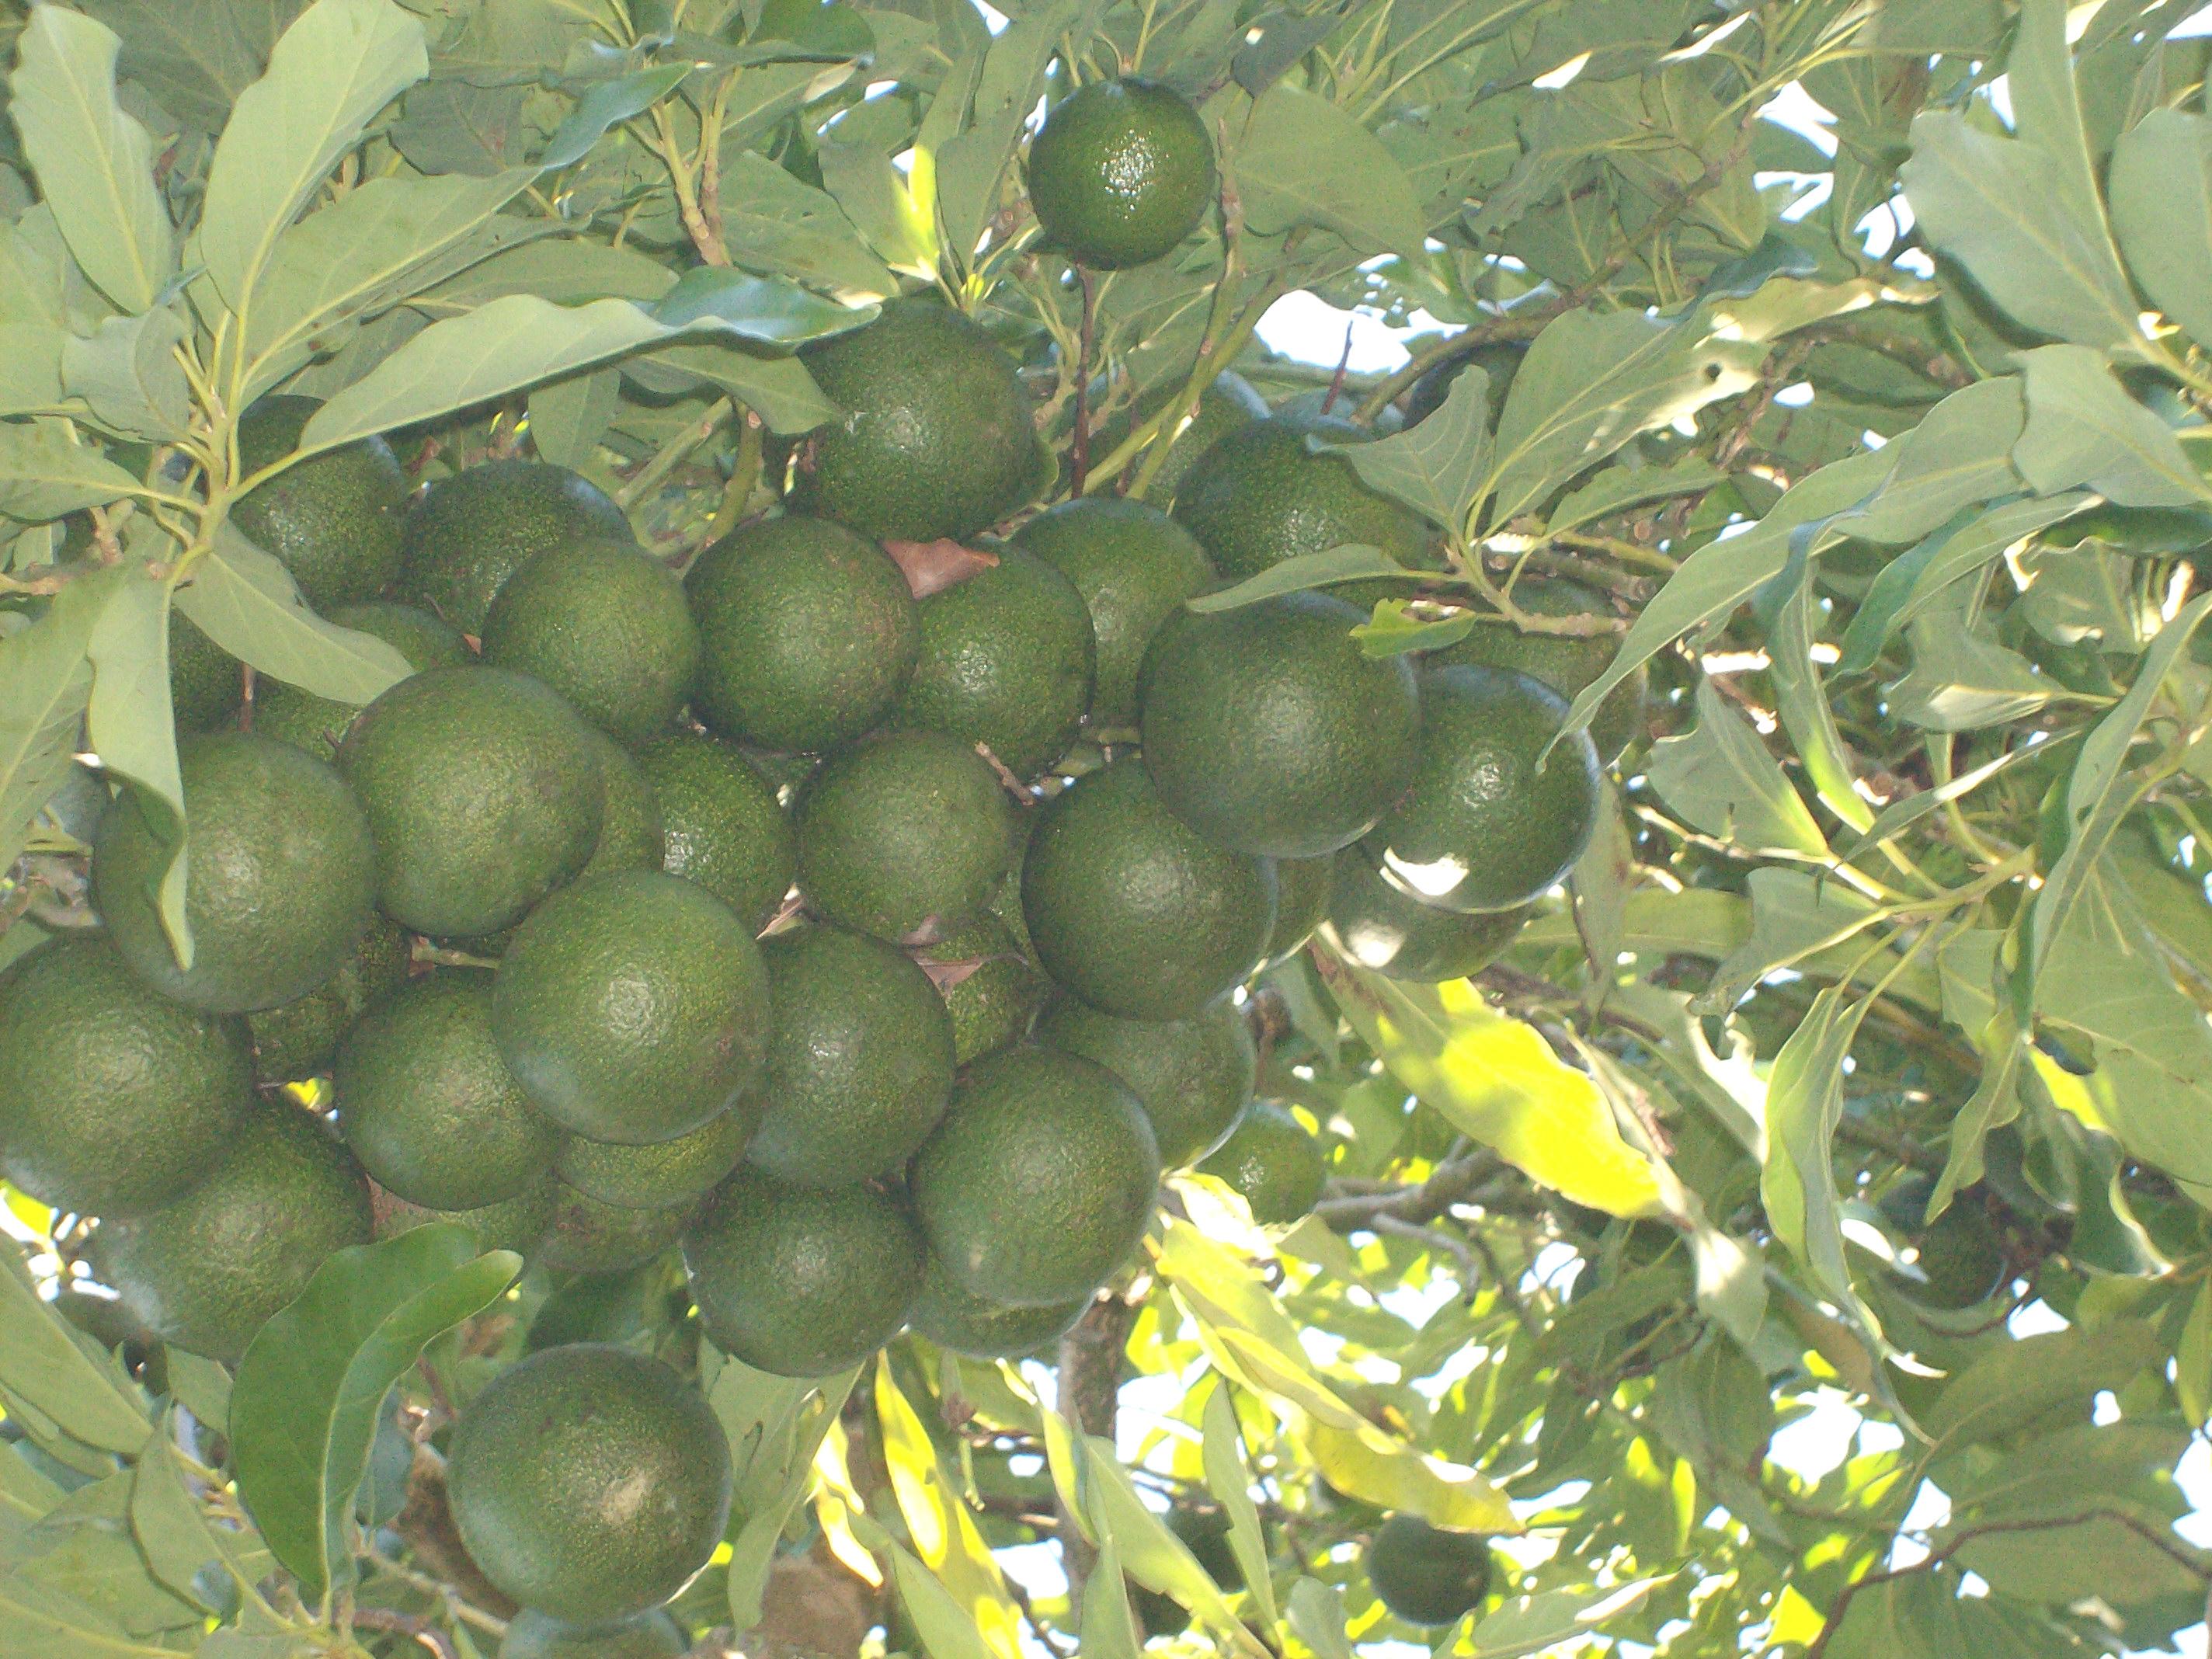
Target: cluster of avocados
750, 910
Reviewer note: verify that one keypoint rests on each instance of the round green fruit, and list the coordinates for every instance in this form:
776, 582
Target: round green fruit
1374, 924
1565, 662
1192, 1076
904, 835
207, 685
632, 835
533, 1635
1134, 567
112, 1099
1266, 731
1961, 1255
722, 825
469, 533
1132, 909
660, 1176
1271, 1158
1039, 1182
605, 624
859, 1060
809, 633
1262, 495
955, 1317
484, 793
1302, 885
1121, 172
1006, 662
279, 895
317, 725
428, 1105
1424, 1575
1488, 821
799, 1281
633, 1007
205, 1271
1499, 360
298, 1040
938, 439
517, 1224
588, 1236
589, 1482
335, 520
991, 988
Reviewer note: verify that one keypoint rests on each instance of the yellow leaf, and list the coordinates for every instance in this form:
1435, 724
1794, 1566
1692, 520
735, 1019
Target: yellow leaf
1367, 1464
943, 1532
1496, 1079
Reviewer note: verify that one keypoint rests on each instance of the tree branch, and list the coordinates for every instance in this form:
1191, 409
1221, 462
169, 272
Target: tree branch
1090, 1368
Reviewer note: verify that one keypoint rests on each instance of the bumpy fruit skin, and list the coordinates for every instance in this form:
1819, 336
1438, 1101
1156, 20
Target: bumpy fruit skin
206, 1270
206, 683
632, 835
279, 894
1482, 825
112, 1100
1304, 886
317, 725
991, 988
1131, 908
298, 1040
1267, 731
940, 439
1270, 1158
469, 533
633, 1008
957, 1318
1192, 1076
518, 1224
904, 836
1039, 1182
1961, 1255
534, 1635
809, 633
1134, 567
1007, 661
1225, 407
484, 793
588, 1236
1121, 172
1426, 1576
1565, 662
335, 521
428, 1105
799, 1281
589, 1482
1374, 924
722, 826
860, 1062
1261, 495
658, 1178
605, 624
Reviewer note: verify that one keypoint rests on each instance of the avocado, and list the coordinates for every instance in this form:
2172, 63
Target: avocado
297, 1040
723, 827
317, 725
1121, 172
955, 1318
1192, 1076
1378, 926
469, 533
335, 521
1270, 1158
991, 988
666, 1174
1424, 1575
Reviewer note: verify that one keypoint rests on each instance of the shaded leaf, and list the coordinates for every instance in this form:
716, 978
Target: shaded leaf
2160, 185
42, 1367
608, 104
1532, 1624
1150, 1554
2083, 429
132, 726
45, 683
1228, 1478
246, 602
45, 474
128, 377
1435, 466
1720, 778
1804, 1105
1301, 161
1306, 570
769, 311
2018, 1384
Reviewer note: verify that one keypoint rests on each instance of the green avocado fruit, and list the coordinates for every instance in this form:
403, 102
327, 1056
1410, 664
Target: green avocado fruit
335, 520
1121, 172
1192, 1076
469, 533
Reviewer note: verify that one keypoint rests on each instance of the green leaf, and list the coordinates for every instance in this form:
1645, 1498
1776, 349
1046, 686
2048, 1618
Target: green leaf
1794, 913
1295, 575
1804, 1105
173, 1534
1393, 631
2097, 795
2021, 1383
971, 163
195, 59
2084, 429
1721, 575
303, 1410
774, 224
46, 474
2160, 185
1961, 681
947, 1630
1496, 1079
942, 1526
1721, 779
1909, 583
131, 724
41, 1366
246, 602
1316, 1618
128, 374
1150, 1554
95, 164
777, 389
775, 1426
1593, 380
45, 682
568, 417
499, 348
1228, 1478
1618, 488
1301, 161
1532, 1624
44, 1623
608, 104
1960, 454
1375, 1469
334, 69
1437, 466
1109, 1630
769, 311
1801, 700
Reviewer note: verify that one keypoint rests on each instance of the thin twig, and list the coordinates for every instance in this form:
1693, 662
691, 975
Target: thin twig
406, 1624
1079, 464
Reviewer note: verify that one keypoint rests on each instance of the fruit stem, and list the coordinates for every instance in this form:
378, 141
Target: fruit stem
1080, 461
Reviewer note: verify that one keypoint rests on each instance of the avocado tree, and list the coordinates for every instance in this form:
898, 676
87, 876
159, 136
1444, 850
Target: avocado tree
1552, 1001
